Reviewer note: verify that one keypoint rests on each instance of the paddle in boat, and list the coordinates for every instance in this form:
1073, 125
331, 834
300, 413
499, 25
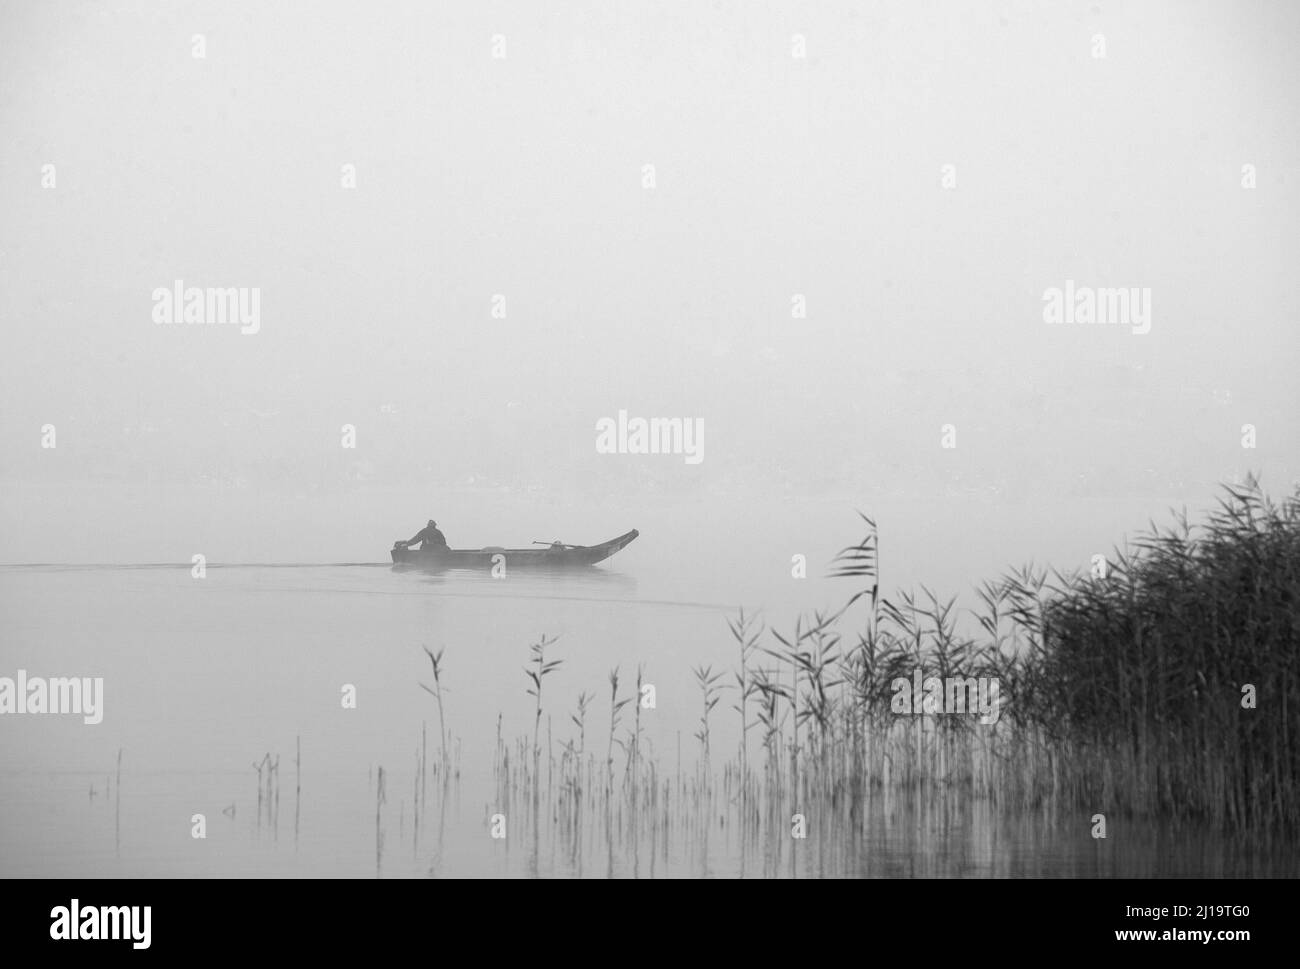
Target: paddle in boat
553, 555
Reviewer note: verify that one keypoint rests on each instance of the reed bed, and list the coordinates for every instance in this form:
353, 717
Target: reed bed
1126, 693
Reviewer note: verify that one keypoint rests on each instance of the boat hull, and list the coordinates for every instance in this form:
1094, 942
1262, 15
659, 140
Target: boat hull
545, 557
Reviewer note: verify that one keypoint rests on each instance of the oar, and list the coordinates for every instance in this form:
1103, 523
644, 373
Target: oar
536, 542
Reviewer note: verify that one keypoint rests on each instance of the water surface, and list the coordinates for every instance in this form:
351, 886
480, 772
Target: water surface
205, 677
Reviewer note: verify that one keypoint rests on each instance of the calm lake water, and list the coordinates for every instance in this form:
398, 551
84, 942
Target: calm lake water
203, 677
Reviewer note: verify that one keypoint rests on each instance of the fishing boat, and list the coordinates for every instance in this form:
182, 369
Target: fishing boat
553, 555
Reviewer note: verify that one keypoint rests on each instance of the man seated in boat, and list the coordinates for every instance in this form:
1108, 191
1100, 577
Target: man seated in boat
429, 538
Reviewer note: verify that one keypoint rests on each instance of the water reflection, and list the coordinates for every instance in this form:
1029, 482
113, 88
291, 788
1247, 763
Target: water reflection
245, 668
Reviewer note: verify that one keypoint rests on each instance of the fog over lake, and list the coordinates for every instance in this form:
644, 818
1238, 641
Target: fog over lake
829, 241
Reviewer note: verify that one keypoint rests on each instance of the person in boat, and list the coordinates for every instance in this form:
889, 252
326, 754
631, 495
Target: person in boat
429, 537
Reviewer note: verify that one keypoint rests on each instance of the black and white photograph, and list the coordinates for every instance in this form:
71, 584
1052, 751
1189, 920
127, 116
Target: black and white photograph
695, 440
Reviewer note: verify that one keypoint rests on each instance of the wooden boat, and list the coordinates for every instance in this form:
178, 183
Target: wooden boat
554, 556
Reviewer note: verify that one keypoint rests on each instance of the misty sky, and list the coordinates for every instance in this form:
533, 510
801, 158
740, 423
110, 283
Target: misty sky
523, 176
